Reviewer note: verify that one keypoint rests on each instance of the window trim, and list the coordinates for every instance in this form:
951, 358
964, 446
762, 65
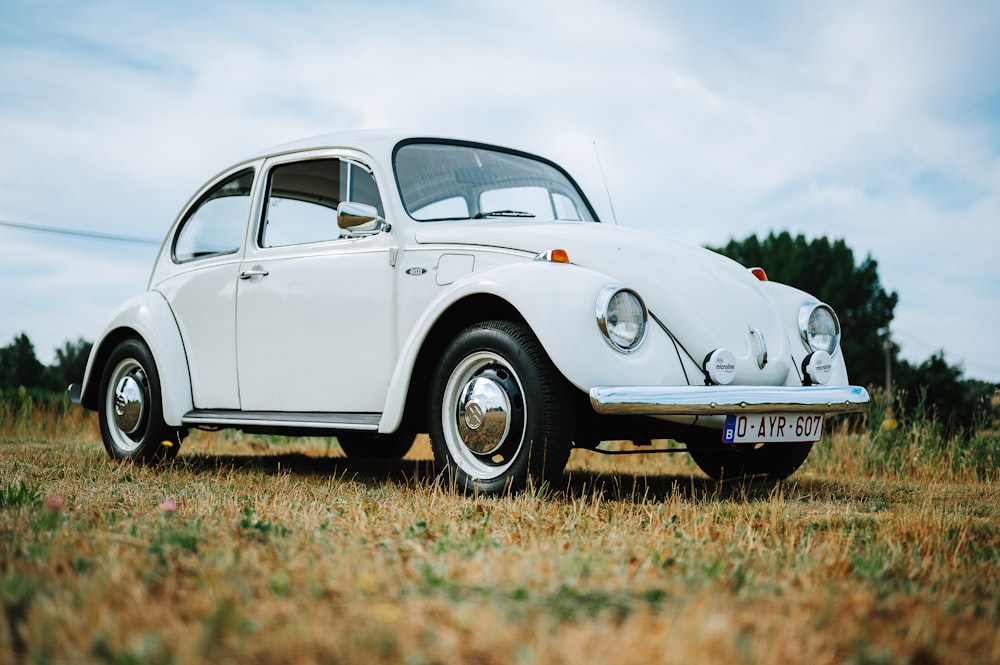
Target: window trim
198, 202
267, 175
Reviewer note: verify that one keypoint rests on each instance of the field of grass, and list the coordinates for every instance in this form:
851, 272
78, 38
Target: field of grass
884, 548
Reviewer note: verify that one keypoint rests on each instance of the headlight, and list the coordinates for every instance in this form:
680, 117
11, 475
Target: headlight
621, 316
819, 327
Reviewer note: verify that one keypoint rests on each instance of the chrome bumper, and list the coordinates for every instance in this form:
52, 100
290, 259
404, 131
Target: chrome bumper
724, 400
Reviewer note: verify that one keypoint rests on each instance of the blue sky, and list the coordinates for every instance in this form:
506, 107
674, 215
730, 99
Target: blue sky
877, 122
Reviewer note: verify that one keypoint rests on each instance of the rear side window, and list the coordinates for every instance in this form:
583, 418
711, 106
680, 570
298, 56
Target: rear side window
217, 223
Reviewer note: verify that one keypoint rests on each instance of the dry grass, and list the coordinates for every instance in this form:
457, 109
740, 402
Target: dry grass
248, 551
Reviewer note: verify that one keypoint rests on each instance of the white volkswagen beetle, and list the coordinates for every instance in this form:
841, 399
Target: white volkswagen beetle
373, 285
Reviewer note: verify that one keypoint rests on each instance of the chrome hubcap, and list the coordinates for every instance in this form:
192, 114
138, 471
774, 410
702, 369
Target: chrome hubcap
483, 415
129, 403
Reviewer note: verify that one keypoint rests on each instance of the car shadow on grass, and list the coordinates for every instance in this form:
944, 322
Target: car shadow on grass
645, 488
608, 486
802, 488
299, 464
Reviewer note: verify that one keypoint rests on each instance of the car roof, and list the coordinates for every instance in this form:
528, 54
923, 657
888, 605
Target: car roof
380, 143
373, 141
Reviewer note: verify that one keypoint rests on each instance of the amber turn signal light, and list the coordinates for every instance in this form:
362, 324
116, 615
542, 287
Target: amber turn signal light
554, 256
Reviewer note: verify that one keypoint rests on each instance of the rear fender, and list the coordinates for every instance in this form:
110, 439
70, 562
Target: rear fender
146, 317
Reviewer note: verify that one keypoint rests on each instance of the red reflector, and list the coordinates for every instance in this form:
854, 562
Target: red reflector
759, 273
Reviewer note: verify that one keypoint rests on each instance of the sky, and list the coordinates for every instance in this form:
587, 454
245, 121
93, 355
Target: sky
876, 122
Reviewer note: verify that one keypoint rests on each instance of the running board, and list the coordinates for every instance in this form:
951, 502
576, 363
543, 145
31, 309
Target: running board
296, 420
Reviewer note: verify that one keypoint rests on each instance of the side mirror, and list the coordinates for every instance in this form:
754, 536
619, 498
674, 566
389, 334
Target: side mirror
359, 218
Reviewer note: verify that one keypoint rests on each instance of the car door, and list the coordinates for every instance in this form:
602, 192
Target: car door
315, 303
207, 251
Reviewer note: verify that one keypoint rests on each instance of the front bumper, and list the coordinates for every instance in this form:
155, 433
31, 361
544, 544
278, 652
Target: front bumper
725, 400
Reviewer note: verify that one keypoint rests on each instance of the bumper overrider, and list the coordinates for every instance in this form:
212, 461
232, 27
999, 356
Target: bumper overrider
725, 400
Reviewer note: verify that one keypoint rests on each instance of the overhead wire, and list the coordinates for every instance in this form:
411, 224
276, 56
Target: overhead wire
976, 365
90, 235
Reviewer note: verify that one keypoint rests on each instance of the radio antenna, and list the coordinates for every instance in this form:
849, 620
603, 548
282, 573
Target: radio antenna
607, 189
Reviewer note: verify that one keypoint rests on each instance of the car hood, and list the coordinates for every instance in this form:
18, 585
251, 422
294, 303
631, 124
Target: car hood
706, 300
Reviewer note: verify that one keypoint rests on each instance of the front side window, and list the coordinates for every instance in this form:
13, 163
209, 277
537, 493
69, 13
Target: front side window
216, 223
455, 180
302, 199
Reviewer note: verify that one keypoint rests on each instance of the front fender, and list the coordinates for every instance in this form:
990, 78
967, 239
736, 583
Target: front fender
787, 301
557, 301
148, 317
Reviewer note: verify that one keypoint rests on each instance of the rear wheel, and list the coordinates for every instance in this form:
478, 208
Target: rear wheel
499, 413
131, 408
368, 446
773, 461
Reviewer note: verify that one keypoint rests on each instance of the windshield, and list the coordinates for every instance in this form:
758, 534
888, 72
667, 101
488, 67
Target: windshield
439, 181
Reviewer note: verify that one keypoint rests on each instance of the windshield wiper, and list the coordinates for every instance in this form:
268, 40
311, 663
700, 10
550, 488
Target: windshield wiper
502, 213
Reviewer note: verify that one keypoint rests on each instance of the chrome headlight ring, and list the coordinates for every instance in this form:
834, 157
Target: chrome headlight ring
622, 317
819, 327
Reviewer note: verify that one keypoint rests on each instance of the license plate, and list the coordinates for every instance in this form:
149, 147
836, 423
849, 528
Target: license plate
772, 428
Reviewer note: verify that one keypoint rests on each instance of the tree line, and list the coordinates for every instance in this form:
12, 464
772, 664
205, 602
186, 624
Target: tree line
20, 367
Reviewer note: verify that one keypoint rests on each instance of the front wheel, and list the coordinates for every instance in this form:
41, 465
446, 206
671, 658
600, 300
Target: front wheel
500, 412
131, 407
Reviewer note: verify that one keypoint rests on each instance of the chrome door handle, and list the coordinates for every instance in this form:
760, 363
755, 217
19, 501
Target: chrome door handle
255, 272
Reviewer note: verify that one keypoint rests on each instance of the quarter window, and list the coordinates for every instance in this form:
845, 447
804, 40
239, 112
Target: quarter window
216, 224
302, 200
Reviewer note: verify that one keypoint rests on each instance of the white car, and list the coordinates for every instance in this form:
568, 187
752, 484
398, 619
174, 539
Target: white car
375, 285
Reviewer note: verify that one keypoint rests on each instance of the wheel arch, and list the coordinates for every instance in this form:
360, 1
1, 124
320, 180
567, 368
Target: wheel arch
149, 319
411, 408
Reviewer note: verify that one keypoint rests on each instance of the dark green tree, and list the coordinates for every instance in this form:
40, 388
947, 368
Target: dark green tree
69, 366
936, 389
828, 271
19, 366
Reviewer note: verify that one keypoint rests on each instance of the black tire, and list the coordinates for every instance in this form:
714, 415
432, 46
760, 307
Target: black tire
131, 407
500, 414
368, 446
772, 461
